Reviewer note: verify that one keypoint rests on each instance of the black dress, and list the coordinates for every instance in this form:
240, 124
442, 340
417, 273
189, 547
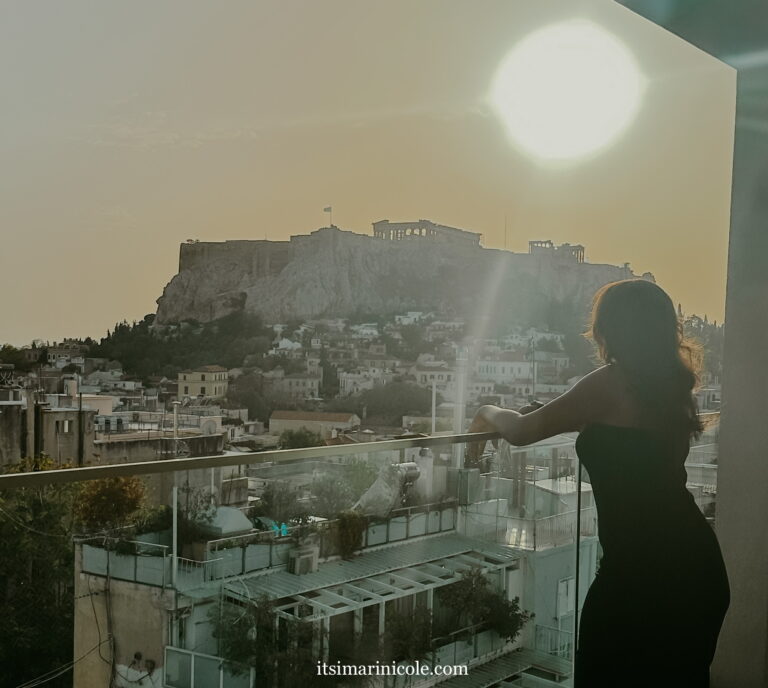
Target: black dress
653, 613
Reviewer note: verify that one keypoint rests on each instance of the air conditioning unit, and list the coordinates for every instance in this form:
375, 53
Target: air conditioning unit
303, 560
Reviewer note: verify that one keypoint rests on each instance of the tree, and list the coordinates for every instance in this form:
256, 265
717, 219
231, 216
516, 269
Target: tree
330, 383
196, 509
395, 400
281, 653
408, 637
359, 474
10, 354
331, 495
248, 391
37, 575
296, 439
472, 601
351, 526
145, 349
110, 503
279, 501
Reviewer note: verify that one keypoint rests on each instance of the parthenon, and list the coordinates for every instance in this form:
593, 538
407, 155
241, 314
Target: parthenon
396, 231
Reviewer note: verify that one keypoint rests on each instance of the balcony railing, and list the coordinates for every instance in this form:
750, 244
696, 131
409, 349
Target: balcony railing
554, 641
144, 562
467, 646
262, 550
73, 475
186, 669
152, 563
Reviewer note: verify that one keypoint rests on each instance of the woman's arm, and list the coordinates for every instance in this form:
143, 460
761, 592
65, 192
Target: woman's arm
582, 404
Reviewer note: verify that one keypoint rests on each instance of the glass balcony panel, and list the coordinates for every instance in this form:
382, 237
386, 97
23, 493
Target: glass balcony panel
235, 680
430, 522
178, 669
207, 671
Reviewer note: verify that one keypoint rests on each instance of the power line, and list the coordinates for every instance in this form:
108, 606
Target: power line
21, 524
55, 673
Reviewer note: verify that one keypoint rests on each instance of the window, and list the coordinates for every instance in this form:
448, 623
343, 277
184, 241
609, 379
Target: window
202, 390
566, 595
186, 387
202, 377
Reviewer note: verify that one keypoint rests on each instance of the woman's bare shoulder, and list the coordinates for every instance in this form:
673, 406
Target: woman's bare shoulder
608, 393
603, 390
600, 381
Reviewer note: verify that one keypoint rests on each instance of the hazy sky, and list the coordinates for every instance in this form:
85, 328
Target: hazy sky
130, 127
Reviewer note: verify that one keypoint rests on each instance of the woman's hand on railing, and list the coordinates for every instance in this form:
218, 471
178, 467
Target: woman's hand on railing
475, 450
529, 408
480, 423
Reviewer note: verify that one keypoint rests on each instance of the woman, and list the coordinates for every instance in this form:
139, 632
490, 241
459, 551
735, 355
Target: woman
654, 611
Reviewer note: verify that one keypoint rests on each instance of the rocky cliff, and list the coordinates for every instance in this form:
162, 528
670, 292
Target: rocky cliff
336, 273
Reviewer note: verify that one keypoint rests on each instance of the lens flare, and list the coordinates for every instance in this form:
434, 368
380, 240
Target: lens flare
567, 91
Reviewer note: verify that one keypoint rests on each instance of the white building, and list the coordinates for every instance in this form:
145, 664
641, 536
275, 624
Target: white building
365, 330
324, 424
410, 318
353, 382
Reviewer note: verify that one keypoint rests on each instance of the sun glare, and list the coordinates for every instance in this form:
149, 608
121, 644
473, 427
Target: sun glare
567, 91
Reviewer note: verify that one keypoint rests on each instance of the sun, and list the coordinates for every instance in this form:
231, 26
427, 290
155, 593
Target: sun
567, 91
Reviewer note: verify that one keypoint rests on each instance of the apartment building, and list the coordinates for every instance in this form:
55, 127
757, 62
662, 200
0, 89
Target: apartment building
206, 381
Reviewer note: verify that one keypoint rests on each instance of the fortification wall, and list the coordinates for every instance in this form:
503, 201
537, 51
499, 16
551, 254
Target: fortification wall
331, 272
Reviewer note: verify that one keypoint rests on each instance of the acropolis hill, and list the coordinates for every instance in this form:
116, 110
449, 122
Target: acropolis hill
403, 266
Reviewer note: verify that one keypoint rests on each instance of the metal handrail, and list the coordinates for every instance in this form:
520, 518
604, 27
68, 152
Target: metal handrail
71, 475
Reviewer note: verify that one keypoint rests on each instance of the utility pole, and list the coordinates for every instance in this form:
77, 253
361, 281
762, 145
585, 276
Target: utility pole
434, 399
175, 498
31, 395
460, 400
80, 429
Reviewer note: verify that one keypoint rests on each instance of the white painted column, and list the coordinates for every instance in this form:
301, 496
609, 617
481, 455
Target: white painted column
326, 640
357, 624
742, 474
382, 621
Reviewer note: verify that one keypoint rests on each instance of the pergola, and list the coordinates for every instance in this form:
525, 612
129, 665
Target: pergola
389, 573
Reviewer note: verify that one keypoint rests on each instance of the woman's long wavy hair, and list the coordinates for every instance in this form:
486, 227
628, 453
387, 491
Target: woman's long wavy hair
635, 326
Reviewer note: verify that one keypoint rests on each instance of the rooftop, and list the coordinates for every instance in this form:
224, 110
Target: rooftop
409, 567
318, 416
207, 369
